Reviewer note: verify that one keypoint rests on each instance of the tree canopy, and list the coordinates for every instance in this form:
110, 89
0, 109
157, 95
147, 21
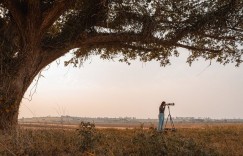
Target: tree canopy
148, 29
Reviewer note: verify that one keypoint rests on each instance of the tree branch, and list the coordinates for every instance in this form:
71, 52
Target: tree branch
57, 46
17, 14
33, 21
75, 29
194, 48
220, 37
203, 21
53, 13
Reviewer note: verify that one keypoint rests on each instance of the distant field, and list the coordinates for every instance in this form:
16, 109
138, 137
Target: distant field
128, 126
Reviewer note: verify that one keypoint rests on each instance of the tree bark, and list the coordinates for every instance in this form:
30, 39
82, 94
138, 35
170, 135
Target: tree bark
11, 93
10, 97
9, 114
13, 84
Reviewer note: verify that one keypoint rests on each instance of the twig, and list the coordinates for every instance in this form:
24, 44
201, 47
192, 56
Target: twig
90, 153
34, 88
204, 69
8, 149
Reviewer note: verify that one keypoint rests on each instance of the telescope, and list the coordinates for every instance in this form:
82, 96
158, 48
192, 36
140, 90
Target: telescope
170, 104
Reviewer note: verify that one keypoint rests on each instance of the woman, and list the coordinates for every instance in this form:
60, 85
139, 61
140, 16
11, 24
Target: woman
161, 116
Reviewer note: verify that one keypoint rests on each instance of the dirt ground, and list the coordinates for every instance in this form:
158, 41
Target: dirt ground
125, 126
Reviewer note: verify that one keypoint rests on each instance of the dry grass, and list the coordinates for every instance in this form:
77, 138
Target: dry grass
204, 140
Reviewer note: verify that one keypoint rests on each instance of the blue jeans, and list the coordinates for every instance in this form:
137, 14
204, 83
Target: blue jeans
161, 122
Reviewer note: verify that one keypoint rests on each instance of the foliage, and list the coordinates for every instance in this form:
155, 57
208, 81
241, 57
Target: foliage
205, 140
150, 30
88, 136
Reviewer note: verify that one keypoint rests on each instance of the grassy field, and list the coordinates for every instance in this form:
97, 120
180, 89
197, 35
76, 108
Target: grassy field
220, 139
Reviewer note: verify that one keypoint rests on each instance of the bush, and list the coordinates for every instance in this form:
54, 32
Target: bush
89, 137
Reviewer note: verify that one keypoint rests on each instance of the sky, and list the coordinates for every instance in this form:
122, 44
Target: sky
105, 88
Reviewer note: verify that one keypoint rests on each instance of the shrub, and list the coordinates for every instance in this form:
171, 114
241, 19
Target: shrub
89, 137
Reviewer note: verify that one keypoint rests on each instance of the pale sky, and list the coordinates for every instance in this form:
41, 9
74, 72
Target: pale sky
102, 88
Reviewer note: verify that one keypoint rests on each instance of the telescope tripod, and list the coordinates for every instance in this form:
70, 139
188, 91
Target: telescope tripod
169, 117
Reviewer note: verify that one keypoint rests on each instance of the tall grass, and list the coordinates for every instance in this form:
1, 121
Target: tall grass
87, 140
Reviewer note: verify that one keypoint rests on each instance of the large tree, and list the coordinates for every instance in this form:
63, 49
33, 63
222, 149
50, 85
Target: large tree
34, 33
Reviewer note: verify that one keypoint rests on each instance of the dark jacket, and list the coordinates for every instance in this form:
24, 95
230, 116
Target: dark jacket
162, 108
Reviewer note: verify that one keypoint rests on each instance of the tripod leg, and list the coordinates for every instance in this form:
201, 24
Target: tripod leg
166, 121
172, 123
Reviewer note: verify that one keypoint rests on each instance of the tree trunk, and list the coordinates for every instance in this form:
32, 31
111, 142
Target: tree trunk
9, 116
11, 93
13, 85
22, 54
